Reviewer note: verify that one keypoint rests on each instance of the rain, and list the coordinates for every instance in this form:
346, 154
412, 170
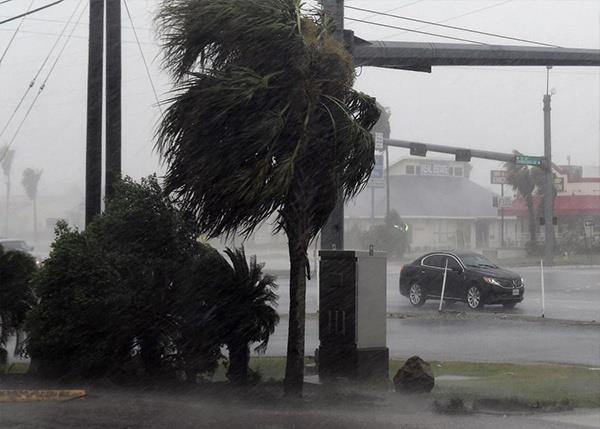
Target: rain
285, 213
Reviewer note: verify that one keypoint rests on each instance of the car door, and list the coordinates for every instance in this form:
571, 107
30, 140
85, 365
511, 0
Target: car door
432, 274
454, 278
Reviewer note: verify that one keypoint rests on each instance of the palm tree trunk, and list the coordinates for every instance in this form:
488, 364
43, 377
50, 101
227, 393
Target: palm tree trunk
239, 358
7, 203
294, 370
35, 220
532, 223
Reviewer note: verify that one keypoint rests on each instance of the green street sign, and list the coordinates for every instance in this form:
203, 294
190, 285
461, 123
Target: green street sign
529, 160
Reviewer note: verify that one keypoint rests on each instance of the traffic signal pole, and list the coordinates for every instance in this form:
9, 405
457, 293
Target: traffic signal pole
417, 56
548, 180
332, 234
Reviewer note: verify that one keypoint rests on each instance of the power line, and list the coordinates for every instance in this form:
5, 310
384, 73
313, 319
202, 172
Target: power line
32, 83
31, 11
417, 31
43, 85
143, 56
12, 39
373, 15
472, 12
452, 27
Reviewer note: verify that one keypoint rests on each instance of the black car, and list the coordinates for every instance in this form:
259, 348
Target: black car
470, 277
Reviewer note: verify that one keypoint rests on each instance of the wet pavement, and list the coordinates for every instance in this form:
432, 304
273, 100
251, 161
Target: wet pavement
571, 293
133, 410
456, 337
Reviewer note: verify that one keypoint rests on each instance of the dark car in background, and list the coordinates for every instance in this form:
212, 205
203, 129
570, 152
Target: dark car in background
470, 277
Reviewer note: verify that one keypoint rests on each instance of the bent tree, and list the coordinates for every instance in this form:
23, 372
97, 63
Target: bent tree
263, 120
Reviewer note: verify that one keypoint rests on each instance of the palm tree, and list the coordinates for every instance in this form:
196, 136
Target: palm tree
6, 157
30, 181
248, 314
263, 120
521, 179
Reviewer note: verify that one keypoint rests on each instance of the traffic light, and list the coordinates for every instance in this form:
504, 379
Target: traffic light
463, 155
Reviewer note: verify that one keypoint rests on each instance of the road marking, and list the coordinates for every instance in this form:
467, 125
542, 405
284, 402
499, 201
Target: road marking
29, 395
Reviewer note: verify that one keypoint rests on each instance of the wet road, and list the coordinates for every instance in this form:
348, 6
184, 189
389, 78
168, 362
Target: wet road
572, 293
491, 334
455, 337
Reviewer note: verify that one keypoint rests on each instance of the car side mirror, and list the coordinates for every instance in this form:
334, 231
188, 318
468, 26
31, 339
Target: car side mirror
458, 270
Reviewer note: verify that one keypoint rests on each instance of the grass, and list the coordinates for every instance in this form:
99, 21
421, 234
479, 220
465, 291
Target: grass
525, 385
530, 385
14, 368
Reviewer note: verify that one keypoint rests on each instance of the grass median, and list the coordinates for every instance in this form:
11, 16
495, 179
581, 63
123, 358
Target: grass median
523, 385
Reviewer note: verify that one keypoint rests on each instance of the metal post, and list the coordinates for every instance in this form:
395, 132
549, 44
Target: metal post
332, 234
387, 182
93, 168
543, 289
443, 286
372, 206
113, 95
502, 218
549, 181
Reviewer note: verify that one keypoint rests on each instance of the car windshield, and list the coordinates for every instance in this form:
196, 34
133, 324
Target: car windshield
478, 261
14, 245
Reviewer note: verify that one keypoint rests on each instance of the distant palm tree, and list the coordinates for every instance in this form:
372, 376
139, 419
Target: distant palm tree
249, 316
264, 121
6, 158
521, 179
30, 181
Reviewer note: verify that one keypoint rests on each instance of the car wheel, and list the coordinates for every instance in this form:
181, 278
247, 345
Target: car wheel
509, 304
415, 295
474, 299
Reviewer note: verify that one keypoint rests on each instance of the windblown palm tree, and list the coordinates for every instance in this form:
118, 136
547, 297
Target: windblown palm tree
249, 316
6, 158
263, 120
521, 179
30, 181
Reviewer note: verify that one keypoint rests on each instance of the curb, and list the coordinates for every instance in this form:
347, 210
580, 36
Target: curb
37, 395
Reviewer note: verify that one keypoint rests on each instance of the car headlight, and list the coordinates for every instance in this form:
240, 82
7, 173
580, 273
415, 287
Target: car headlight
491, 281
522, 281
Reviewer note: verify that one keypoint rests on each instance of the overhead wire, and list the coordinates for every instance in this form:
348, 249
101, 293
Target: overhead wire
143, 56
373, 15
31, 12
41, 68
417, 31
452, 27
14, 35
471, 12
43, 85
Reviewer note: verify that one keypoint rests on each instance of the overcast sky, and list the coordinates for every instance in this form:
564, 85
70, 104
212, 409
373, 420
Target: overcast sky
494, 108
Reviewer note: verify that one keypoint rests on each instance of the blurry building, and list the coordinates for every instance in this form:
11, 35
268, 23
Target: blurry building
576, 206
442, 207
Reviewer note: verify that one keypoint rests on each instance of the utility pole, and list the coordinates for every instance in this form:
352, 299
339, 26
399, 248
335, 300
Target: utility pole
93, 170
332, 234
548, 179
113, 95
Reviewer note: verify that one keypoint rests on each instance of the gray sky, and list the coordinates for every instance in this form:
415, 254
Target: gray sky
489, 108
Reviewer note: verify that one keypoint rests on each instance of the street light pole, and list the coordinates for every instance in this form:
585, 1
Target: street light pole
548, 179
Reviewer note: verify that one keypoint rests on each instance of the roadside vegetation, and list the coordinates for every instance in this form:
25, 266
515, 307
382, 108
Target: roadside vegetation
136, 297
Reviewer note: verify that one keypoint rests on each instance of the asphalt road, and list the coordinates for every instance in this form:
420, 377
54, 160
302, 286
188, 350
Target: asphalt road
493, 334
571, 293
456, 337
